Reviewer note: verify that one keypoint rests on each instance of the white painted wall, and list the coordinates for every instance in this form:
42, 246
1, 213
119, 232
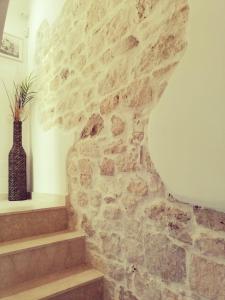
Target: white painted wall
187, 128
11, 70
49, 148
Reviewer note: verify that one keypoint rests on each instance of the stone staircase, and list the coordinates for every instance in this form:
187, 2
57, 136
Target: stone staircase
40, 258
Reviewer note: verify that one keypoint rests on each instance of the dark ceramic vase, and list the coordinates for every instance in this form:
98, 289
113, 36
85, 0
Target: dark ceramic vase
17, 166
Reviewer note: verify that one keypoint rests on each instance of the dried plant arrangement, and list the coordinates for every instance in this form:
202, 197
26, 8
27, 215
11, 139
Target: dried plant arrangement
23, 94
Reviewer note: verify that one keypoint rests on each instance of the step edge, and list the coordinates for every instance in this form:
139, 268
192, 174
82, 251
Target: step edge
97, 276
30, 210
37, 243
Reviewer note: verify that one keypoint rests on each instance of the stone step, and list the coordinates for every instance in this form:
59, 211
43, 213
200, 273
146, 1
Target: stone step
32, 258
82, 283
30, 218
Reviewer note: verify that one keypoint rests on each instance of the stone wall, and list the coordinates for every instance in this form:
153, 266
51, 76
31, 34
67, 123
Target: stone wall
102, 68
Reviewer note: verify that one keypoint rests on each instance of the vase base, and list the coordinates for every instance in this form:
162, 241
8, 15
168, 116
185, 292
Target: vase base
18, 199
23, 197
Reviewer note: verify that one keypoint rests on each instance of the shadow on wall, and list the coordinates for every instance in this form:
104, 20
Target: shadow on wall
107, 64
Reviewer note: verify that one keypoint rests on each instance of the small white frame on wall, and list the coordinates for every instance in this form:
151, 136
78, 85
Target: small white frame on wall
11, 47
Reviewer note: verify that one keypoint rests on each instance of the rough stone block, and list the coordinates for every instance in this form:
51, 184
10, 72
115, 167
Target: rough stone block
177, 221
165, 259
86, 172
210, 218
116, 147
93, 127
82, 199
89, 148
109, 104
107, 167
112, 213
125, 45
211, 246
138, 187
115, 77
207, 279
128, 161
118, 125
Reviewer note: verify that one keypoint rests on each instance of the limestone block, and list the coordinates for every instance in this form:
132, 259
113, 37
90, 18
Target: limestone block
86, 172
211, 246
210, 218
207, 279
177, 221
89, 148
130, 203
107, 167
125, 45
109, 200
128, 161
134, 251
168, 46
112, 213
165, 259
116, 271
134, 229
118, 25
164, 213
138, 187
87, 226
96, 199
118, 125
146, 289
138, 93
112, 246
145, 7
93, 127
82, 199
109, 104
116, 76
64, 74
96, 12
137, 137
115, 147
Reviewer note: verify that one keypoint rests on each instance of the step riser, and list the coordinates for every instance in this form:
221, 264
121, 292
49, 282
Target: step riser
92, 291
27, 224
34, 263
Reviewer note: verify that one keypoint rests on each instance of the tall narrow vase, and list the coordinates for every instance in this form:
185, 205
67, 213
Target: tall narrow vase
17, 166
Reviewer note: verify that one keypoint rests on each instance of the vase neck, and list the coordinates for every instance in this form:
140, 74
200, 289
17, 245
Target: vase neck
17, 133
